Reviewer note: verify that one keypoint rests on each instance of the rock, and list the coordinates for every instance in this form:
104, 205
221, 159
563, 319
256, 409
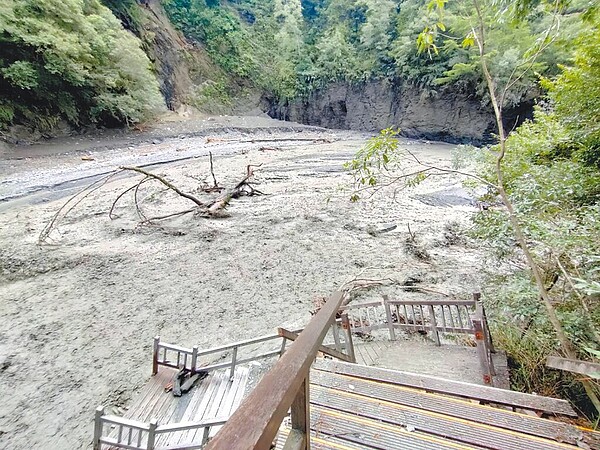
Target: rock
372, 106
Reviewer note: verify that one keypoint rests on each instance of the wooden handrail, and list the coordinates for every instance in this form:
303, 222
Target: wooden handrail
291, 336
256, 422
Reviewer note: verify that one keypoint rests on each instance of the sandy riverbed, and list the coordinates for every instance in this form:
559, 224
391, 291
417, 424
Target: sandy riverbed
78, 316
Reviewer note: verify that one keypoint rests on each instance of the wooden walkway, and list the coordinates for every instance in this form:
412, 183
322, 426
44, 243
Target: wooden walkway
416, 355
215, 397
358, 407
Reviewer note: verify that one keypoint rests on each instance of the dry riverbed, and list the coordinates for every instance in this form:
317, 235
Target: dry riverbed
78, 316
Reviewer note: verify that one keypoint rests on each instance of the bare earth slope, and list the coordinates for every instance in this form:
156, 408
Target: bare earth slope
78, 317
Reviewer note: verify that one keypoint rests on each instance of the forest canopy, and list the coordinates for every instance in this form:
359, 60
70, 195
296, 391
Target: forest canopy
290, 47
74, 61
71, 60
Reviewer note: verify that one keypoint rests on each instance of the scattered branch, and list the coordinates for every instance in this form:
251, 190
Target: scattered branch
166, 183
202, 208
70, 204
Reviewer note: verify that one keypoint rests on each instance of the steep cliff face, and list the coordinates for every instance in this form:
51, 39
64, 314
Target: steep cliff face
187, 76
372, 106
167, 50
165, 47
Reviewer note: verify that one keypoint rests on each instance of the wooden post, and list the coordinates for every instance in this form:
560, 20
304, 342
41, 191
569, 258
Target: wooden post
233, 362
348, 333
98, 427
482, 352
336, 336
388, 314
486, 329
300, 415
480, 315
434, 330
194, 359
152, 434
283, 344
256, 422
155, 355
205, 435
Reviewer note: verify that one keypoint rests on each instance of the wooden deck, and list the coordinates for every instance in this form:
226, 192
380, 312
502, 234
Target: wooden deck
354, 406
419, 355
215, 397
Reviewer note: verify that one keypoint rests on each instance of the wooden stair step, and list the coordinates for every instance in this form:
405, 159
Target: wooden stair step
454, 407
465, 390
371, 433
452, 429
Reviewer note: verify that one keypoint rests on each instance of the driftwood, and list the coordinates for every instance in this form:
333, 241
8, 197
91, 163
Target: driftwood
253, 141
205, 209
240, 189
212, 208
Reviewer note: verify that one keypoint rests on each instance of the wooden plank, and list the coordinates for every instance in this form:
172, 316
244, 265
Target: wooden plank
388, 316
431, 424
348, 337
373, 433
296, 440
434, 332
142, 405
231, 346
220, 394
234, 396
459, 408
327, 350
167, 440
318, 443
466, 390
432, 302
352, 306
198, 393
148, 402
367, 353
574, 365
483, 353
300, 418
256, 422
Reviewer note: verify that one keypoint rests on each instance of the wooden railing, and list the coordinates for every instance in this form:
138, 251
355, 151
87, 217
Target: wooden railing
231, 355
256, 422
135, 435
428, 316
177, 357
120, 432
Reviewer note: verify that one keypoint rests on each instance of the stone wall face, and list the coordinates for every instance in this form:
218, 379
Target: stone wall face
372, 106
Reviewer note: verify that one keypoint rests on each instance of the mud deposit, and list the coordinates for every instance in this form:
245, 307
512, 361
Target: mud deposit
78, 316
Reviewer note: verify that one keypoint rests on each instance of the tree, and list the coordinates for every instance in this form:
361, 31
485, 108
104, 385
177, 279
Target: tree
72, 60
379, 154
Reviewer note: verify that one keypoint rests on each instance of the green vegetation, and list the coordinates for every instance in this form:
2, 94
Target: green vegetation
546, 177
551, 174
290, 47
71, 60
74, 61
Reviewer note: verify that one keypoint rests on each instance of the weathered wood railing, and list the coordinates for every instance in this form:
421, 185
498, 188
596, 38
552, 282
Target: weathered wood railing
428, 316
256, 422
192, 359
120, 432
177, 357
135, 435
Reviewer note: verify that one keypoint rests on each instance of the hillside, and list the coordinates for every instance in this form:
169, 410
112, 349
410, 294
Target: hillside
305, 60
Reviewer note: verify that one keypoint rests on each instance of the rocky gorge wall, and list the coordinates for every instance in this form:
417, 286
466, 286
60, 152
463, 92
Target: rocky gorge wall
372, 106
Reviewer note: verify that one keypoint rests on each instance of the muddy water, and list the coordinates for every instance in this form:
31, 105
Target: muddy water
78, 316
